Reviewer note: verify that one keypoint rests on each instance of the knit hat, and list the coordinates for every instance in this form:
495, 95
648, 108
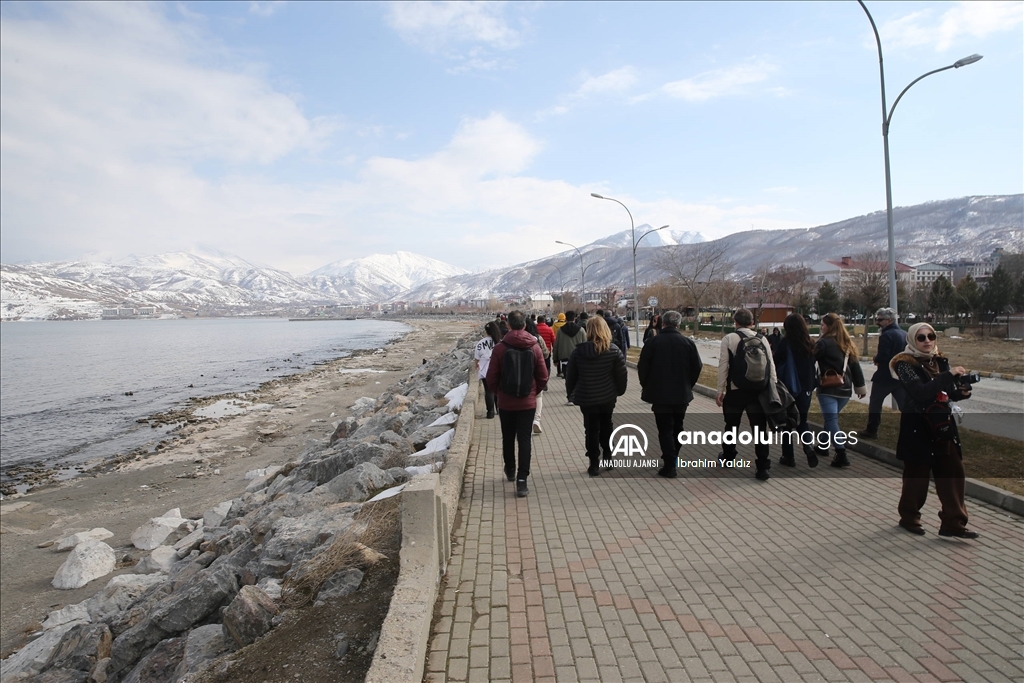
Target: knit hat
561, 317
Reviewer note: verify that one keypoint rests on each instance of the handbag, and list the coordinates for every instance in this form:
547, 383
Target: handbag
832, 379
939, 416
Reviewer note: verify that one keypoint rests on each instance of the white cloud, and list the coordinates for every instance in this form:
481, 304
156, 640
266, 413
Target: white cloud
974, 19
110, 118
618, 80
719, 82
435, 25
265, 8
614, 82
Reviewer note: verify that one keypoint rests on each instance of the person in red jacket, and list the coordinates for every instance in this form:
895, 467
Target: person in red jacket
548, 335
516, 412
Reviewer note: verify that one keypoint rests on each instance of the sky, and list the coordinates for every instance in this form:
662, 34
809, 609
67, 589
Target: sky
297, 134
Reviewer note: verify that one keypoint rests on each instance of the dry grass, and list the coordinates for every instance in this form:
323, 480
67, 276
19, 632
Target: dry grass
374, 528
395, 458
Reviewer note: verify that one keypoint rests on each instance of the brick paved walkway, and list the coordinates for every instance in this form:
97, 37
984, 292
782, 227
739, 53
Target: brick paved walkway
629, 577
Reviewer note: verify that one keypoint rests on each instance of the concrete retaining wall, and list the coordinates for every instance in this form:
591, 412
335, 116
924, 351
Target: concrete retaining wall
429, 503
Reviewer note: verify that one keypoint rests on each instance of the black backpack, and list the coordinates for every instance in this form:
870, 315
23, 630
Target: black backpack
517, 372
748, 367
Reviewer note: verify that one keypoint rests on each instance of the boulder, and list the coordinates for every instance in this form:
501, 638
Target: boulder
262, 472
140, 608
81, 647
97, 534
195, 601
160, 560
341, 583
272, 587
31, 659
119, 594
160, 665
291, 536
66, 615
89, 560
344, 428
249, 615
398, 474
190, 542
201, 645
216, 515
156, 531
357, 484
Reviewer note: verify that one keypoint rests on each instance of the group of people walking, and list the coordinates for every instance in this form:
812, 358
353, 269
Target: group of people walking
592, 359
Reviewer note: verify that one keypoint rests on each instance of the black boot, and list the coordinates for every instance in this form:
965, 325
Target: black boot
788, 460
812, 456
762, 470
594, 470
840, 459
668, 470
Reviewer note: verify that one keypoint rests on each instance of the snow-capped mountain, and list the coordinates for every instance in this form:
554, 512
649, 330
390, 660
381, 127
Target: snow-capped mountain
204, 279
378, 277
940, 231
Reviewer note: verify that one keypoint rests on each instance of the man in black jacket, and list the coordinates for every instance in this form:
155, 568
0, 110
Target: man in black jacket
668, 368
891, 341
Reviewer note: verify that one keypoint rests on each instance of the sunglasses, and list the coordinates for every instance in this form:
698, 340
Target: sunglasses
922, 337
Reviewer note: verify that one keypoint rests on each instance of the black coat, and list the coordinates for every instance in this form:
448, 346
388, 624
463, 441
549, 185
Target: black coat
915, 442
668, 368
830, 357
592, 379
891, 341
805, 370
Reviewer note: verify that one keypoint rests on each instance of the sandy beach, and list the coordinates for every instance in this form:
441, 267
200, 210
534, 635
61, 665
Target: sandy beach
203, 467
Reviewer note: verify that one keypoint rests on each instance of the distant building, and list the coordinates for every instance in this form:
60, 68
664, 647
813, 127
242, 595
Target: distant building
541, 302
980, 271
478, 303
109, 313
771, 314
147, 310
842, 273
927, 273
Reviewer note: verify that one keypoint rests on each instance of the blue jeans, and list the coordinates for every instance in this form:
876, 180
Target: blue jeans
831, 406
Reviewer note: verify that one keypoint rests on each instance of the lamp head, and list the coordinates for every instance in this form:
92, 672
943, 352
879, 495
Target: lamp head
594, 194
966, 60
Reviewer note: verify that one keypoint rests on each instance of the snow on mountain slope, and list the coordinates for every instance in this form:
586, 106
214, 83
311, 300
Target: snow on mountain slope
379, 276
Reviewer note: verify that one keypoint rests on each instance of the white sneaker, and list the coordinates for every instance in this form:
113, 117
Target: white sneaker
537, 429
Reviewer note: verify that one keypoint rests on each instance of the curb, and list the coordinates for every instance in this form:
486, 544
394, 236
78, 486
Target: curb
429, 502
1001, 375
978, 490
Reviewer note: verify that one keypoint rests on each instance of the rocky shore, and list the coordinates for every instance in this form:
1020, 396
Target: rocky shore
269, 516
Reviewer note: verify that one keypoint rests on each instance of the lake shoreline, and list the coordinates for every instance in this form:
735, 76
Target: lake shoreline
193, 473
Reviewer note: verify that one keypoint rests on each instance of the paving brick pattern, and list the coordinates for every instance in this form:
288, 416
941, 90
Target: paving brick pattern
630, 577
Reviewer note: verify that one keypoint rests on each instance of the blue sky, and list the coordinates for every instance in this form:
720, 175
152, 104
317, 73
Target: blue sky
296, 134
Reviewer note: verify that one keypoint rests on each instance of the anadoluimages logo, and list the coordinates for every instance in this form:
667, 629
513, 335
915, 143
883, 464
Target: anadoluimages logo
627, 445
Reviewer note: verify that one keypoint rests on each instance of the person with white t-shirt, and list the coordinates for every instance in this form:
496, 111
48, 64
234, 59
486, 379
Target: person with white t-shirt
482, 356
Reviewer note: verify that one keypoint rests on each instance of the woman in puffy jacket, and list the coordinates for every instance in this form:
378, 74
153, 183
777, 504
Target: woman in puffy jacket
929, 442
595, 378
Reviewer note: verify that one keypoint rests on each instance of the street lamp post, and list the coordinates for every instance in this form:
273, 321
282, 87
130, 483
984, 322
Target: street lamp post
886, 120
634, 242
583, 273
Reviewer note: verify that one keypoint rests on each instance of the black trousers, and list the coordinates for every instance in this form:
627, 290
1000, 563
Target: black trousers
488, 398
879, 392
597, 428
734, 405
669, 419
517, 425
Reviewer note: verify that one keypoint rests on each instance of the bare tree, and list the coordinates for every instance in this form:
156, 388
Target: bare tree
697, 268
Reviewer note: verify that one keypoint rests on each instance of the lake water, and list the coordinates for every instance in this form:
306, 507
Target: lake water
63, 384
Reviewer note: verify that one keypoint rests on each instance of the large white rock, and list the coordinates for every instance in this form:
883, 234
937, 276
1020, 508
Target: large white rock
189, 542
262, 472
156, 530
217, 515
97, 534
88, 561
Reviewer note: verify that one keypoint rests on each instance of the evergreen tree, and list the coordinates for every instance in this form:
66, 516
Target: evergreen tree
940, 299
968, 296
828, 299
999, 292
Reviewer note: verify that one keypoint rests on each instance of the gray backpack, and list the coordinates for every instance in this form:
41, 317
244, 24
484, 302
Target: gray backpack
748, 367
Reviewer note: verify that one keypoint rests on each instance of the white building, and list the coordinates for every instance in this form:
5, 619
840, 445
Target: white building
842, 273
927, 273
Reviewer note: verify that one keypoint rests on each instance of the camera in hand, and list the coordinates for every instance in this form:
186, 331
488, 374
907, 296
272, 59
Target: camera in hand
968, 379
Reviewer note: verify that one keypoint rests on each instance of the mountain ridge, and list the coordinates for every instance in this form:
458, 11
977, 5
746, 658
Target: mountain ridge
940, 230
